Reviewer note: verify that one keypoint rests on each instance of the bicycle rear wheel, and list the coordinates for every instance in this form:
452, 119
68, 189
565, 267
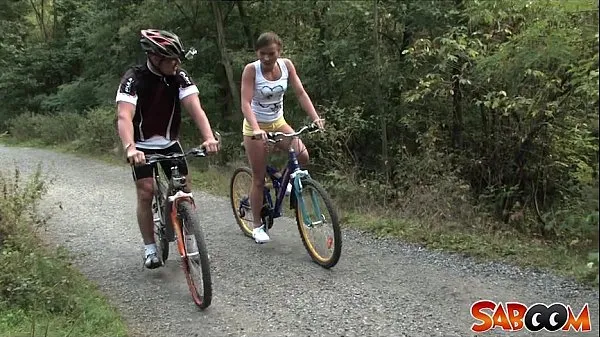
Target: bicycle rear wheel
195, 262
311, 205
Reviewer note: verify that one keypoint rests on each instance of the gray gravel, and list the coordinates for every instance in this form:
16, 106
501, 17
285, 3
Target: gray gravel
379, 287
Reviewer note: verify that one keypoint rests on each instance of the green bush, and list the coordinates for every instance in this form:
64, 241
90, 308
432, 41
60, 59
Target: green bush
94, 131
25, 127
97, 131
38, 287
47, 129
28, 278
74, 97
18, 201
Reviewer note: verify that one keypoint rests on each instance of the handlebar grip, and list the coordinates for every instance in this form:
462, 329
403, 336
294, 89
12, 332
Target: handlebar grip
313, 127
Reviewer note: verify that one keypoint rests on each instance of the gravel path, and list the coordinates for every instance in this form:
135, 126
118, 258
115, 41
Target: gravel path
379, 287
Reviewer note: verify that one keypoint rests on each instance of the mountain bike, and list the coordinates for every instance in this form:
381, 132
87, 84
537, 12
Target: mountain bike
304, 195
175, 220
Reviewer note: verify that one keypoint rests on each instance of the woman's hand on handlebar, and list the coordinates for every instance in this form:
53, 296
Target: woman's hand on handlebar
259, 134
320, 122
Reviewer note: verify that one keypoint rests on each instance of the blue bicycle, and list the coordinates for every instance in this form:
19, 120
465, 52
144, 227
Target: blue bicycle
313, 207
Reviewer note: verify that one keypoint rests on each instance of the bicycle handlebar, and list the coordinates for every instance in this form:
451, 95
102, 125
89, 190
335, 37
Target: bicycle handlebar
272, 137
156, 157
199, 151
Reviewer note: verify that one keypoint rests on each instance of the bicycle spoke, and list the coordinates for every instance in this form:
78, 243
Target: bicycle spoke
239, 194
325, 249
196, 264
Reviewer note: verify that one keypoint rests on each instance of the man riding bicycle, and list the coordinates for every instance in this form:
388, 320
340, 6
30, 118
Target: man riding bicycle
149, 99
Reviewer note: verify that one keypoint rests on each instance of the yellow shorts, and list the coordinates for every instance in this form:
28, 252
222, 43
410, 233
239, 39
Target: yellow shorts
268, 127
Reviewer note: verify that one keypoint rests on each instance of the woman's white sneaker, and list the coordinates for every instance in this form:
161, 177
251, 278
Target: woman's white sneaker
259, 235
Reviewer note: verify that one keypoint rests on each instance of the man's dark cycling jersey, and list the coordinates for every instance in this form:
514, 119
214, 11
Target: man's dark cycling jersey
156, 99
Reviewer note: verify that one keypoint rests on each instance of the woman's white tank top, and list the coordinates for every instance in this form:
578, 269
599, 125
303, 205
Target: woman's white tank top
267, 102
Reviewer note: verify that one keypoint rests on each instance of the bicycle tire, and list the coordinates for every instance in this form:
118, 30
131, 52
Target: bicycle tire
188, 216
337, 234
163, 190
160, 236
240, 170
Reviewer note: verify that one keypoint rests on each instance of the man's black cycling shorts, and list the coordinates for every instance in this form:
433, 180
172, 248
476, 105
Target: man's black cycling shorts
145, 171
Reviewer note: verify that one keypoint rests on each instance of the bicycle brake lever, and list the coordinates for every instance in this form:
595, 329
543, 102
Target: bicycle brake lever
198, 152
217, 136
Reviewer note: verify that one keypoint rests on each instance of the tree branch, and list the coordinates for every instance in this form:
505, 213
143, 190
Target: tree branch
188, 18
229, 10
392, 40
40, 18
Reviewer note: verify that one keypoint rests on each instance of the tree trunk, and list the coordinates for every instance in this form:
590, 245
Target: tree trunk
457, 111
225, 61
382, 117
318, 14
246, 25
55, 20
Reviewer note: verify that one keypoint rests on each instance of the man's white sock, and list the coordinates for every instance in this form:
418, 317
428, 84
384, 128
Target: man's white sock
150, 249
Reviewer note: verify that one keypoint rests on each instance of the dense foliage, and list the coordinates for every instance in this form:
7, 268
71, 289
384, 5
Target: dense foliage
497, 98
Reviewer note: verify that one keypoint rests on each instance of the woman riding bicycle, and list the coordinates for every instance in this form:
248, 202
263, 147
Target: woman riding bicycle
264, 83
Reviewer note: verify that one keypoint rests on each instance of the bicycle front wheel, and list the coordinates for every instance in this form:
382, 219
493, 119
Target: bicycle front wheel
160, 237
195, 262
318, 224
160, 214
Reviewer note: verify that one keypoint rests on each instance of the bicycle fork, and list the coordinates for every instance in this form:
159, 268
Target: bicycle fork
296, 176
175, 200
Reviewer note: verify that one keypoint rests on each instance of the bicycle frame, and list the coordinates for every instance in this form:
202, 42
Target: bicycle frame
174, 200
174, 195
293, 172
278, 182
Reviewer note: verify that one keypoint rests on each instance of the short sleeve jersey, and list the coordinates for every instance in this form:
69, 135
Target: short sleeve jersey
157, 118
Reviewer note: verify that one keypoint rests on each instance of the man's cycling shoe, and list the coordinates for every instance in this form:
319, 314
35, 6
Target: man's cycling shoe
152, 261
